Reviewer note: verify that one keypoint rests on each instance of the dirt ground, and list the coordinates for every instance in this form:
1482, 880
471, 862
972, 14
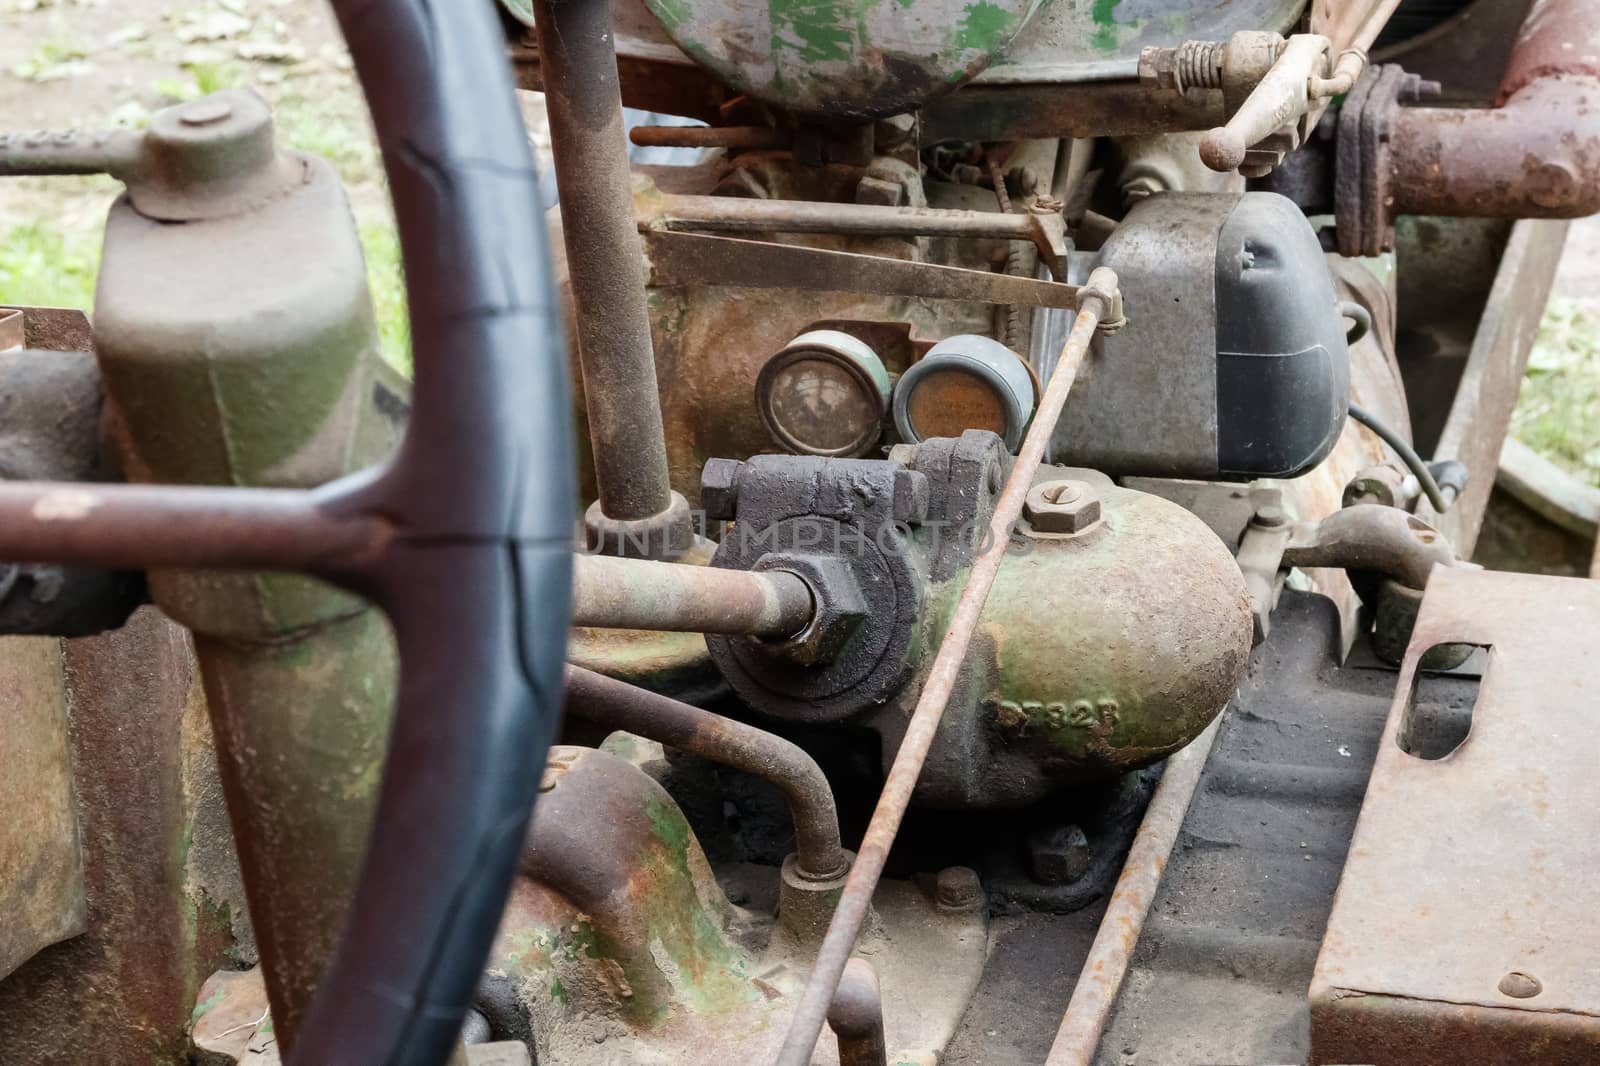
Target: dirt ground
91, 63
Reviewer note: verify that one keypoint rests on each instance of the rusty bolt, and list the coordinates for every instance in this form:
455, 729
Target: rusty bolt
871, 190
1270, 517
1061, 507
207, 111
956, 888
1058, 854
910, 501
719, 488
1519, 985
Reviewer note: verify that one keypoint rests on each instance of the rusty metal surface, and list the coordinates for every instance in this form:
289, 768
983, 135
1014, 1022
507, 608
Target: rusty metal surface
56, 329
643, 594
685, 258
1480, 414
617, 705
1103, 971
41, 864
734, 137
1093, 109
742, 215
162, 884
856, 1016
12, 332
589, 147
1535, 154
1097, 301
1371, 537
1463, 929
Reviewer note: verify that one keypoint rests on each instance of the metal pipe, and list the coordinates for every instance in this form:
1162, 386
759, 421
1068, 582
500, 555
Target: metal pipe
619, 705
744, 137
640, 594
605, 259
184, 527
1107, 964
1536, 154
856, 1016
1097, 301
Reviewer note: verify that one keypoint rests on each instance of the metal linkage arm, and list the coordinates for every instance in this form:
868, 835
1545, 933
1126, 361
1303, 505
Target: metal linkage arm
1098, 302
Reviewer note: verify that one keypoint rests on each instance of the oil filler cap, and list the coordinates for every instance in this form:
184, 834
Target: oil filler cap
966, 382
824, 394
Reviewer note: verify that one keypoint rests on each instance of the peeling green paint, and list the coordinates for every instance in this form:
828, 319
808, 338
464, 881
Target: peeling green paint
201, 1008
1104, 15
818, 30
984, 27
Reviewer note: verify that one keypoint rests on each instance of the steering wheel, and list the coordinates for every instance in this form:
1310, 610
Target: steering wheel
464, 538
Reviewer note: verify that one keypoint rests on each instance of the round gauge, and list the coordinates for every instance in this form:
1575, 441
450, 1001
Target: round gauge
966, 382
825, 394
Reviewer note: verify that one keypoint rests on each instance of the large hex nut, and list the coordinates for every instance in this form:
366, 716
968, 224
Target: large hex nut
719, 488
1062, 507
840, 606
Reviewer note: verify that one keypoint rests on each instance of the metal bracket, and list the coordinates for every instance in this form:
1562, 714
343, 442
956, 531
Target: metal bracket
698, 259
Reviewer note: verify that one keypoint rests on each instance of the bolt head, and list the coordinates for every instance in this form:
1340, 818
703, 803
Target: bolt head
878, 191
1061, 507
957, 888
1059, 854
207, 111
719, 488
1271, 517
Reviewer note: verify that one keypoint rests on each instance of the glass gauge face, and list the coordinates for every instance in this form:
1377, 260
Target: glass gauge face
822, 405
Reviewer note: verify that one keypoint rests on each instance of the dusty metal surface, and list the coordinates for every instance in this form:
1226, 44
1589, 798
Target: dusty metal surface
57, 329
41, 864
643, 594
1463, 928
604, 265
162, 883
616, 705
635, 954
1491, 379
1098, 303
1220, 970
841, 61
1103, 971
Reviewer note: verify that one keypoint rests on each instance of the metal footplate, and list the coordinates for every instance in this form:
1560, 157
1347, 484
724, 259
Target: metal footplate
1464, 926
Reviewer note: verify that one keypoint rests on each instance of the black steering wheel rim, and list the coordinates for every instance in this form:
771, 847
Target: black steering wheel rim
477, 580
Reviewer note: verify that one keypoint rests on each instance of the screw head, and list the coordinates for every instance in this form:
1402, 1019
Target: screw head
1271, 517
1519, 985
1059, 854
1061, 507
207, 111
957, 888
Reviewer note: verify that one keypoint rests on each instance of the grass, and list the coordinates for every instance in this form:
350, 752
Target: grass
1558, 413
42, 264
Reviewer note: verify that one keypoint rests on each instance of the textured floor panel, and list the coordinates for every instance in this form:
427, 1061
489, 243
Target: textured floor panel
1221, 971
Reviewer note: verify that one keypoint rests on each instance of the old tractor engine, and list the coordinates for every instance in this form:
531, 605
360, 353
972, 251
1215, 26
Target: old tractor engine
928, 566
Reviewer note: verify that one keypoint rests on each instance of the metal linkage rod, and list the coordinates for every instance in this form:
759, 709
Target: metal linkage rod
1097, 301
133, 527
641, 594
1101, 977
